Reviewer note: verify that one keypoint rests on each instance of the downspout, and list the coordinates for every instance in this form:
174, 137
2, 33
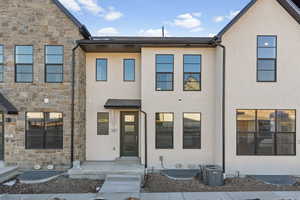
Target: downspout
145, 127
218, 43
73, 103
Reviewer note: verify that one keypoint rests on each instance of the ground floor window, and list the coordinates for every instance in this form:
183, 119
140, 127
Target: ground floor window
164, 130
266, 132
102, 123
44, 130
191, 130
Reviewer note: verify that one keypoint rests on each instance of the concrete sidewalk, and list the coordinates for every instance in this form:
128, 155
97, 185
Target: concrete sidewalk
165, 196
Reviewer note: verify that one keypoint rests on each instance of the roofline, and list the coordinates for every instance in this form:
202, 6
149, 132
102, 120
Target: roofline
82, 28
290, 9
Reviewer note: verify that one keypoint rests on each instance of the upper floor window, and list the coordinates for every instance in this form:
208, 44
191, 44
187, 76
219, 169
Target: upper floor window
44, 130
102, 123
266, 58
54, 62
266, 132
191, 130
24, 64
164, 72
129, 69
164, 130
101, 69
1, 63
192, 72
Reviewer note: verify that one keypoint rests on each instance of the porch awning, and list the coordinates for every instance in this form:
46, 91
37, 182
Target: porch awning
122, 103
6, 106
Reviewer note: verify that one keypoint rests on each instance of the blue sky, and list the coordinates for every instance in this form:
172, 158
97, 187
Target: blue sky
146, 17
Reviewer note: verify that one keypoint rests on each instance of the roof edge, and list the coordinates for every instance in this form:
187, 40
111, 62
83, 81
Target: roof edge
82, 28
290, 9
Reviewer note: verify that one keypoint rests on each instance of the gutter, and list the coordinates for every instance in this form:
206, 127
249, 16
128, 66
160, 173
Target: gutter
146, 143
218, 42
73, 103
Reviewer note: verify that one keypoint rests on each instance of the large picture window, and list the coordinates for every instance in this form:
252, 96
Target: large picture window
1, 63
54, 64
164, 72
102, 123
164, 130
191, 130
192, 72
266, 58
266, 132
44, 130
101, 69
24, 64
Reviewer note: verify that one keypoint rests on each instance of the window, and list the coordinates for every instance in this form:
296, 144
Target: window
164, 130
164, 72
129, 69
192, 72
44, 130
102, 123
266, 132
54, 62
191, 130
266, 58
1, 63
101, 69
24, 64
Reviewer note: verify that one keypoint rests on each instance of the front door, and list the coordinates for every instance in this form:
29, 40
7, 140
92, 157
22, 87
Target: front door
129, 134
1, 136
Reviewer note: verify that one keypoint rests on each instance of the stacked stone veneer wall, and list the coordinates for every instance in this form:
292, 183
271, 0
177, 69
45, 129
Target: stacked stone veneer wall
40, 23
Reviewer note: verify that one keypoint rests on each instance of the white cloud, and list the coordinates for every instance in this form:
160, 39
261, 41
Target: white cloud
198, 29
232, 14
219, 19
153, 32
112, 14
71, 4
212, 35
91, 5
108, 31
197, 14
187, 21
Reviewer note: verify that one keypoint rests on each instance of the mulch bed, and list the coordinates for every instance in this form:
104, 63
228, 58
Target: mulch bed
62, 184
160, 183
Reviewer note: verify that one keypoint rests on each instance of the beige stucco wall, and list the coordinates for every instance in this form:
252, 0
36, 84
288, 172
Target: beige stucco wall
178, 102
266, 17
107, 147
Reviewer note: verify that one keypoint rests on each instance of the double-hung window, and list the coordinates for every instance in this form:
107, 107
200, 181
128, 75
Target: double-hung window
192, 72
164, 72
266, 58
101, 69
1, 63
102, 123
266, 132
24, 64
54, 64
164, 130
191, 130
44, 130
129, 69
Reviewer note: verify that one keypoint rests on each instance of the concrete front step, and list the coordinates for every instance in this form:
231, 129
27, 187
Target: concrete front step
7, 173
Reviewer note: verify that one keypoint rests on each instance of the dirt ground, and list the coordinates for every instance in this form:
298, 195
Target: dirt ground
59, 185
160, 183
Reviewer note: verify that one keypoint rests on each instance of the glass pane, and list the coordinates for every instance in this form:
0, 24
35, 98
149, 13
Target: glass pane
55, 50
191, 130
24, 77
265, 143
246, 121
266, 76
24, 68
192, 68
266, 53
285, 143
191, 85
164, 67
101, 69
56, 78
266, 41
54, 59
246, 144
34, 130
266, 121
266, 64
129, 66
191, 77
102, 123
1, 68
54, 69
1, 59
24, 59
164, 130
1, 49
161, 86
54, 130
164, 59
286, 120
192, 59
164, 77
24, 50
129, 118
129, 128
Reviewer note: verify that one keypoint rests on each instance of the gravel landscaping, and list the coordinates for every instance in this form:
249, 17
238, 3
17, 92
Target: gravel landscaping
160, 183
62, 184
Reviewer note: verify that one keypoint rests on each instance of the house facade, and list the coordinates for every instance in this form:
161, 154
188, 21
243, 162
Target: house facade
168, 102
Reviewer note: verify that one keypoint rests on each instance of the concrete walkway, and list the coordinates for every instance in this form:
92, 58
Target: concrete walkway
165, 196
